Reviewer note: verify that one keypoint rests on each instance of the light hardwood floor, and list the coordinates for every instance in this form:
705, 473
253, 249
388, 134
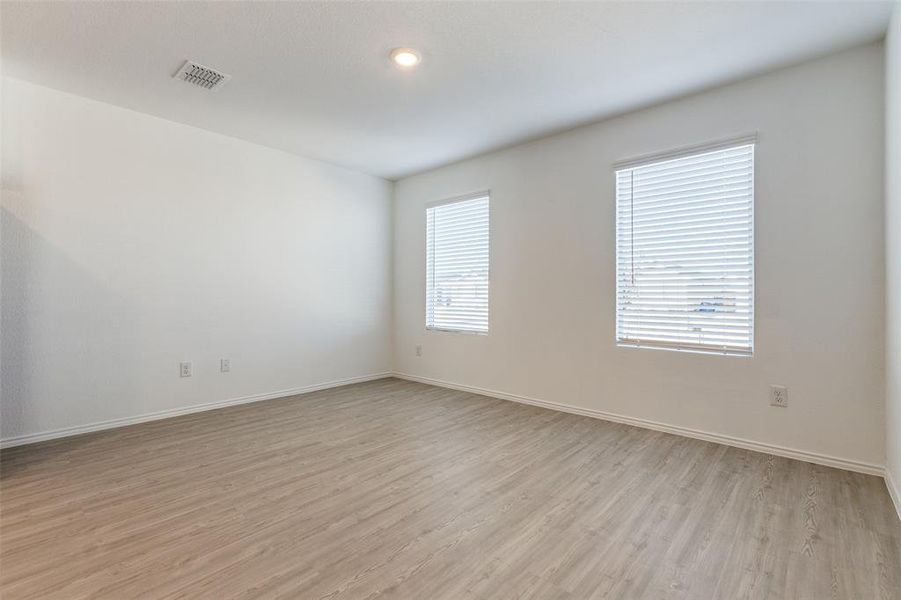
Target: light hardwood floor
402, 490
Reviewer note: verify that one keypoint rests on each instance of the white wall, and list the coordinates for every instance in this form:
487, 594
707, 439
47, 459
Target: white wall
130, 243
820, 266
893, 252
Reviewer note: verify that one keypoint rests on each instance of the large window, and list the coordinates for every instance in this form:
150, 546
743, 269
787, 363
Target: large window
685, 251
457, 265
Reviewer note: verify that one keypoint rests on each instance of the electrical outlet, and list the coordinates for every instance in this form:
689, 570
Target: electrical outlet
778, 396
185, 369
225, 365
418, 350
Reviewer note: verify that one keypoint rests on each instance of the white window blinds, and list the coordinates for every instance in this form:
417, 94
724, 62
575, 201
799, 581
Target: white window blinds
457, 265
685, 252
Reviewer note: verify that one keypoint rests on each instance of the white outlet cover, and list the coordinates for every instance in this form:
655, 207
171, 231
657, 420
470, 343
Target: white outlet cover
185, 369
225, 365
779, 396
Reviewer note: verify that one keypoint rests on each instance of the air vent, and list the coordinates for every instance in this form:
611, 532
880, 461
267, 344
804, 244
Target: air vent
202, 76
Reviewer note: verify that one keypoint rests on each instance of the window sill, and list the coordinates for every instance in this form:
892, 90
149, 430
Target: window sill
462, 331
708, 350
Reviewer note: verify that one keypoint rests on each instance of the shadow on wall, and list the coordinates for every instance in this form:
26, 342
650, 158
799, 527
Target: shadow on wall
59, 324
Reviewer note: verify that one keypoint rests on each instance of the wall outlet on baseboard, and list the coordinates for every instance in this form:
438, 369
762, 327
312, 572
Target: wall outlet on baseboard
185, 369
418, 350
778, 396
225, 365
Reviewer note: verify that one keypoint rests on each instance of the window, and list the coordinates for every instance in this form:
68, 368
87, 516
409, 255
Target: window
685, 251
457, 265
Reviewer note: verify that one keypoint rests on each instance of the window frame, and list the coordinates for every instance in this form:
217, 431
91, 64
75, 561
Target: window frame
486, 194
686, 152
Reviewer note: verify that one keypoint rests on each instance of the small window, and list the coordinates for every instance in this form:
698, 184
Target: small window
685, 251
457, 265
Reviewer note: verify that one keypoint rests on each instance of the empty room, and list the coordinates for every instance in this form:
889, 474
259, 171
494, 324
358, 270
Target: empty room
450, 300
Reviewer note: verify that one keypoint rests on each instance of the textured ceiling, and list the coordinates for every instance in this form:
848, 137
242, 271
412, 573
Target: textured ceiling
313, 78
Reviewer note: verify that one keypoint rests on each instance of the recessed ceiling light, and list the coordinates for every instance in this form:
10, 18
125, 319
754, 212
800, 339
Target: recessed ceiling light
405, 58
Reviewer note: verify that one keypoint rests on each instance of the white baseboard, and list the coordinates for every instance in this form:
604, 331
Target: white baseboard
727, 440
813, 457
32, 438
893, 491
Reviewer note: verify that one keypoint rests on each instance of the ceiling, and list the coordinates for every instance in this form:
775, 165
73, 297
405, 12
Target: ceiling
313, 78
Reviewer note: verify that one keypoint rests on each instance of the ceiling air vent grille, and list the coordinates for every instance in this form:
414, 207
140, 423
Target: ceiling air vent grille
202, 76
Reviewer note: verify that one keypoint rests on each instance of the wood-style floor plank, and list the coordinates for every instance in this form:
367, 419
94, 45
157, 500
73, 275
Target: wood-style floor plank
392, 489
